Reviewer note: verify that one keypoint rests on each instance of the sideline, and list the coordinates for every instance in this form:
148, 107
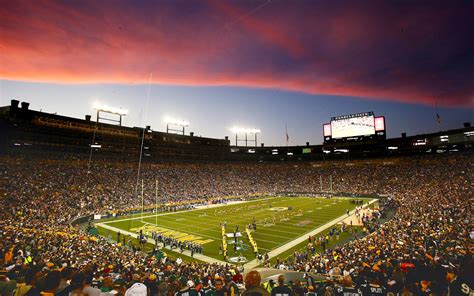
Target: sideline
152, 241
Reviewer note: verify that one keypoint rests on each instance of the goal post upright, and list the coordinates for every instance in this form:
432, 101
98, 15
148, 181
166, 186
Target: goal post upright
143, 202
156, 202
321, 183
330, 184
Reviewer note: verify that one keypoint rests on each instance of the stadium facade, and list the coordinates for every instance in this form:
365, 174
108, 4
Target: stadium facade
30, 132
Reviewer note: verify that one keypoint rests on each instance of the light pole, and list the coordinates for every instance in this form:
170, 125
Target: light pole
246, 132
176, 126
99, 107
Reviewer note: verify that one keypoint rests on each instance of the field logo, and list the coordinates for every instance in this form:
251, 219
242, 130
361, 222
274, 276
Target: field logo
279, 209
149, 229
304, 222
239, 259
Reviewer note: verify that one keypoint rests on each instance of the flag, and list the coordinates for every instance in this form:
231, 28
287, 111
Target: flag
438, 118
287, 137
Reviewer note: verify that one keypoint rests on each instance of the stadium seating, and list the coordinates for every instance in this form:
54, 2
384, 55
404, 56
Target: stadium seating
426, 246
49, 184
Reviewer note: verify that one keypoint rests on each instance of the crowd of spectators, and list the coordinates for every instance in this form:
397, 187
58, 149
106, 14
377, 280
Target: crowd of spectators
426, 248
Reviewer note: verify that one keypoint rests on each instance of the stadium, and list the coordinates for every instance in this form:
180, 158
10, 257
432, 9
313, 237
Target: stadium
111, 203
299, 213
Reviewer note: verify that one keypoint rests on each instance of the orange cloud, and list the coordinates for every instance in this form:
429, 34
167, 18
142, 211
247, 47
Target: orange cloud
375, 51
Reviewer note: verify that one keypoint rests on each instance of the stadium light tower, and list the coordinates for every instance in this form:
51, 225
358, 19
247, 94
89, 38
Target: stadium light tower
172, 124
109, 110
246, 132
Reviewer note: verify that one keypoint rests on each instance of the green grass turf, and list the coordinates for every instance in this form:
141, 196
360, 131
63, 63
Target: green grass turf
205, 223
344, 237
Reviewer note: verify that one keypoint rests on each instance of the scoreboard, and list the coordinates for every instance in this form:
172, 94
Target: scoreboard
354, 127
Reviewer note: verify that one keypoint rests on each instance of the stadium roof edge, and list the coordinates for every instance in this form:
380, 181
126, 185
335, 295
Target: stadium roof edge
6, 110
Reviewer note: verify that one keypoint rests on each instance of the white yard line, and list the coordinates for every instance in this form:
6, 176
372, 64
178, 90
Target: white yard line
201, 207
249, 265
254, 263
206, 227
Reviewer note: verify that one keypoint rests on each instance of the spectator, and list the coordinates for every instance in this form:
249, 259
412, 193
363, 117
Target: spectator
137, 289
282, 289
253, 285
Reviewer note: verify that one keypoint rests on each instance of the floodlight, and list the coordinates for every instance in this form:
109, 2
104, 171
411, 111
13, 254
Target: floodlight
109, 109
100, 107
175, 121
246, 131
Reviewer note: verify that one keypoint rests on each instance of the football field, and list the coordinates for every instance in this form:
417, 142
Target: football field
279, 220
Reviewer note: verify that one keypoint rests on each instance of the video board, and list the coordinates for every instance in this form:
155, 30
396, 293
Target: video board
361, 124
357, 125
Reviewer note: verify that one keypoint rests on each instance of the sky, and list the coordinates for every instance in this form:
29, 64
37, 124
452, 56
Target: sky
266, 64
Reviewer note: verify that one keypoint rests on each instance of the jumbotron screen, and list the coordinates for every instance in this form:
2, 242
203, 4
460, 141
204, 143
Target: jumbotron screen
354, 125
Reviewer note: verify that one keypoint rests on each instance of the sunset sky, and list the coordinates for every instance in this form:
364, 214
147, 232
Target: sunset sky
257, 63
